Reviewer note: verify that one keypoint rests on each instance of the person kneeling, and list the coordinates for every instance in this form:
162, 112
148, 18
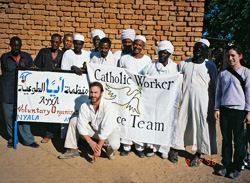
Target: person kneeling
96, 120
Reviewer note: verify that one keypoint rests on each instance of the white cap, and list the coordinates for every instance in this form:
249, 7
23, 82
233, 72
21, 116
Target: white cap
204, 41
141, 38
97, 32
128, 34
78, 37
165, 45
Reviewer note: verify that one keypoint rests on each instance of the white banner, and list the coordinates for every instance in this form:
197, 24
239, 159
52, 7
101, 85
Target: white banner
50, 96
147, 106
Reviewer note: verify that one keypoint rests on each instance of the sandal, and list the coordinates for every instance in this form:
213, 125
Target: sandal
195, 162
173, 156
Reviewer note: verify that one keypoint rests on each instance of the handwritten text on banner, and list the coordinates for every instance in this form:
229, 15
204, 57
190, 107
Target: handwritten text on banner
50, 96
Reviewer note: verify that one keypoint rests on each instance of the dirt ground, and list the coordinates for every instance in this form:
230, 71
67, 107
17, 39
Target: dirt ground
41, 165
28, 165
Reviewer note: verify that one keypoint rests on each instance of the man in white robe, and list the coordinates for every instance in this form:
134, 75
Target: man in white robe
137, 60
196, 124
127, 37
96, 36
135, 63
163, 65
74, 59
104, 56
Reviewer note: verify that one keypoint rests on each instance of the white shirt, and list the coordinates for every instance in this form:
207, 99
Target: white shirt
196, 121
155, 69
98, 59
70, 58
118, 54
103, 120
134, 64
92, 53
158, 68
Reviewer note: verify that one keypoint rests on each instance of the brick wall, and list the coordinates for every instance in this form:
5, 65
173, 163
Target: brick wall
34, 21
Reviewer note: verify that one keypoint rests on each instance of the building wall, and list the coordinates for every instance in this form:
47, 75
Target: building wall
34, 21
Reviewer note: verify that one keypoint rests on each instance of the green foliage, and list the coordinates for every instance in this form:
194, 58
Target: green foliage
229, 19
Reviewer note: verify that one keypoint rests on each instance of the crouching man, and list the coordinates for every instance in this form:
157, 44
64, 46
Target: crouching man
97, 121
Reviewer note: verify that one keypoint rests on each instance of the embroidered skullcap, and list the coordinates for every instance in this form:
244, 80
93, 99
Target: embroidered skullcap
97, 32
141, 38
128, 34
204, 41
165, 45
78, 37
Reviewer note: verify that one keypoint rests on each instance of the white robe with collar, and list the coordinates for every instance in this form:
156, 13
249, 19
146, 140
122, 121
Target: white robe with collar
196, 123
156, 69
98, 59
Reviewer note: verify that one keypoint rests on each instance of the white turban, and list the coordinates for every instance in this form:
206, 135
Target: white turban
141, 38
128, 34
78, 37
165, 45
97, 32
204, 41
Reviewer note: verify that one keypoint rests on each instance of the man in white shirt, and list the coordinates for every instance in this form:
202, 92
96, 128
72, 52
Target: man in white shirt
137, 60
163, 65
196, 122
127, 36
96, 120
74, 59
135, 63
96, 36
104, 56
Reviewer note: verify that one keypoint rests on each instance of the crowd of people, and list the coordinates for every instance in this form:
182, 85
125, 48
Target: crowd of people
206, 97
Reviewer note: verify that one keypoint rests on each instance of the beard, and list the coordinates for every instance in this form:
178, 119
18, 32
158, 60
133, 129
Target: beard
94, 99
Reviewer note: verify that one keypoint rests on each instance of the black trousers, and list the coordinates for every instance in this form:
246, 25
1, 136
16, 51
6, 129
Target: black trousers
232, 129
248, 136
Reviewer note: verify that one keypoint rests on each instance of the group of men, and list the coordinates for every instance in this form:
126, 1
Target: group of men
195, 126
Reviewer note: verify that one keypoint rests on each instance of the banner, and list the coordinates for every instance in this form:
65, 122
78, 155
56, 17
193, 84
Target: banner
50, 96
147, 105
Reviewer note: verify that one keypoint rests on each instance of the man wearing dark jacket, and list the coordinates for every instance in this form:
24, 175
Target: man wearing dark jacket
10, 62
50, 59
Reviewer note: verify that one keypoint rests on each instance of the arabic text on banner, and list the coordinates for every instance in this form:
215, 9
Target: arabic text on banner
50, 96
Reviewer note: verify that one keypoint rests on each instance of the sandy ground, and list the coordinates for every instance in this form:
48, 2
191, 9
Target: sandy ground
28, 165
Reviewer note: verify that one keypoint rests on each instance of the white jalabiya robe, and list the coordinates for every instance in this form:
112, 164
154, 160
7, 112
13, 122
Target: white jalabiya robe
98, 59
134, 65
196, 124
156, 69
